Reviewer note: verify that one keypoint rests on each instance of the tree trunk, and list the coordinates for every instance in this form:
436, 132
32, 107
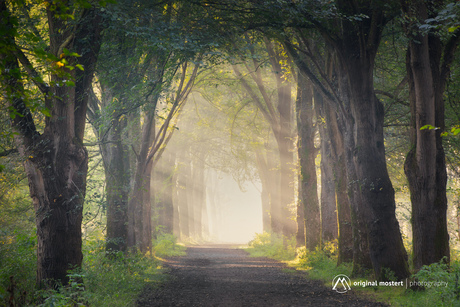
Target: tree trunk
329, 224
373, 203
285, 149
345, 230
114, 155
188, 168
199, 192
182, 181
56, 161
164, 173
308, 195
265, 194
425, 165
139, 213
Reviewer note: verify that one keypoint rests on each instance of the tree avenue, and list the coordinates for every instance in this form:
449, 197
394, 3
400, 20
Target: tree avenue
186, 98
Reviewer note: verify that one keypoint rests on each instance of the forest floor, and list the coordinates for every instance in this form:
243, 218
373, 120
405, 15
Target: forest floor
223, 275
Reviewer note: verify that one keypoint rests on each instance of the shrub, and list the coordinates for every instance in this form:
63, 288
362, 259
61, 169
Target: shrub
272, 246
116, 280
18, 266
166, 246
441, 282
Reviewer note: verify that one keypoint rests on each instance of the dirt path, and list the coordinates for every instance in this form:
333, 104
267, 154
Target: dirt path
221, 275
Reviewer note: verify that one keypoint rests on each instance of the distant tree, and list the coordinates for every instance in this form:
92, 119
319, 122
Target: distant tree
277, 110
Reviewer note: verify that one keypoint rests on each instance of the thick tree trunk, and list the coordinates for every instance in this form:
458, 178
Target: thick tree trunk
57, 182
139, 212
425, 165
329, 224
345, 230
56, 161
285, 149
370, 189
361, 114
114, 155
308, 195
373, 204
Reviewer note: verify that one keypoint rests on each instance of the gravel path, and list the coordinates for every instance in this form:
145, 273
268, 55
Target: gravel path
222, 275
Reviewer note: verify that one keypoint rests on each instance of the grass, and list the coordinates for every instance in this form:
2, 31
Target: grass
321, 264
102, 281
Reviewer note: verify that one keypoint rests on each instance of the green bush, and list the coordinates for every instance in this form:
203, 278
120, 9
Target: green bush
440, 282
166, 245
272, 246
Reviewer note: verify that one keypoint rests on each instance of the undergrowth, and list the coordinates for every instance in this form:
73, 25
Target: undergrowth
272, 246
441, 283
166, 245
114, 279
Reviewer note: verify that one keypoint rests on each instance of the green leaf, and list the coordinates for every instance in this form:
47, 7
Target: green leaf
429, 127
79, 66
46, 112
456, 130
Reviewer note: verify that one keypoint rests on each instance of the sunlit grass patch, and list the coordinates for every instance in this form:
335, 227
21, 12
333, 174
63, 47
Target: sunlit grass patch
272, 246
166, 246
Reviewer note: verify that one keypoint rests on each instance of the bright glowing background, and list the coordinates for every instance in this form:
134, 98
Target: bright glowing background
238, 214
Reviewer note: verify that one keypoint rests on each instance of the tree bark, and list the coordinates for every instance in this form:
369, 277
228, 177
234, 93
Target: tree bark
345, 230
266, 194
163, 174
428, 62
139, 213
329, 223
116, 165
182, 181
56, 161
308, 195
373, 204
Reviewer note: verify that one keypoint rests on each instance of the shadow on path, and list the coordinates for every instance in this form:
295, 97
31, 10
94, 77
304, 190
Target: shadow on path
222, 275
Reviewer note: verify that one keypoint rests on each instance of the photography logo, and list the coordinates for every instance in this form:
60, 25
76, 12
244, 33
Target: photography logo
341, 283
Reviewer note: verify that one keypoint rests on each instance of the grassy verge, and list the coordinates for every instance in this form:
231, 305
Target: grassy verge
442, 285
104, 280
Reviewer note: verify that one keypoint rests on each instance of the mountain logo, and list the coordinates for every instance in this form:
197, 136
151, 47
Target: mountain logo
341, 283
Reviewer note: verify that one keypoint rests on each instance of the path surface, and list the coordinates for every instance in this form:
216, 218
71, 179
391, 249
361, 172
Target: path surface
221, 275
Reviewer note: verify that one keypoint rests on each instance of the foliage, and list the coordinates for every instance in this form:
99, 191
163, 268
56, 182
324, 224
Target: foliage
429, 277
272, 245
18, 264
70, 295
166, 245
116, 280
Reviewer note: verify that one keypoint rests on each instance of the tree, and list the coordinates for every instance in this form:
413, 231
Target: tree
278, 113
308, 195
355, 42
56, 160
428, 66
